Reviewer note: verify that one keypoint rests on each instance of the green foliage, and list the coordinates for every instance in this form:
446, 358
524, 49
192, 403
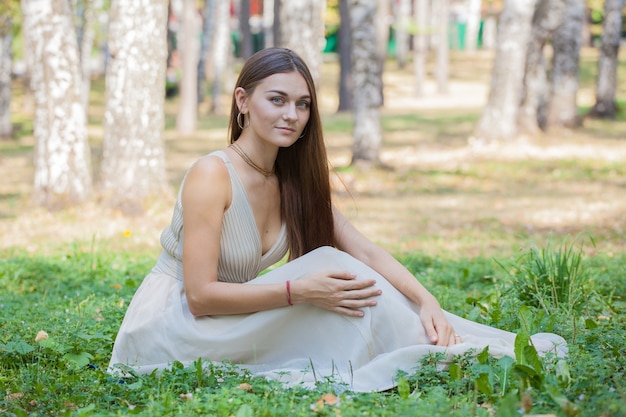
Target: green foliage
551, 278
77, 294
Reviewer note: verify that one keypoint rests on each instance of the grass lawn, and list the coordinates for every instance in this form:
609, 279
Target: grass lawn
527, 237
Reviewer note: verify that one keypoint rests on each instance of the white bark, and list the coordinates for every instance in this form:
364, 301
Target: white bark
133, 165
302, 30
606, 87
62, 159
189, 46
473, 24
562, 107
367, 77
403, 23
420, 44
6, 60
443, 47
221, 57
499, 117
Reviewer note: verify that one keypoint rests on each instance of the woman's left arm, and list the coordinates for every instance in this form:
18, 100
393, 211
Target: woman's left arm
350, 240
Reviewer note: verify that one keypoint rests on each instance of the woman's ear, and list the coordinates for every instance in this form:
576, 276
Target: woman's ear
240, 99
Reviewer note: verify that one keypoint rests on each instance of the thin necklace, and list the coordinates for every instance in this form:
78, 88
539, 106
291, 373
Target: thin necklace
250, 162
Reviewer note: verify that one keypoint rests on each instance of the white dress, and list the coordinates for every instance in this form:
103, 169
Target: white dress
300, 344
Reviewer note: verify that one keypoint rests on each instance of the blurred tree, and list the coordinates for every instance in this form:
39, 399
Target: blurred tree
367, 77
221, 58
302, 30
402, 19
499, 117
420, 44
566, 43
245, 42
133, 162
204, 61
443, 45
62, 159
189, 46
473, 24
346, 84
606, 85
8, 10
86, 11
549, 14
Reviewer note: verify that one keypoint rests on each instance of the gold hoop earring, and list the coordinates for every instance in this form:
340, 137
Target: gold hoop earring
241, 124
302, 135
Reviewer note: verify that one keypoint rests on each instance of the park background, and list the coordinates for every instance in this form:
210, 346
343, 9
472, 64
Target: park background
474, 219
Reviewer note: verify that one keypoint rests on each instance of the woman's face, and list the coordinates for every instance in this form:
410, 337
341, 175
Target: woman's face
278, 109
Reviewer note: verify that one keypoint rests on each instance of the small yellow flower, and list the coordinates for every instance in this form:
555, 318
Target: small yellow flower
41, 335
127, 233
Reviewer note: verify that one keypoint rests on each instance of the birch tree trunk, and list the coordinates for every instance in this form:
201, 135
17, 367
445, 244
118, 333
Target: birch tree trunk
208, 29
302, 30
549, 14
473, 25
245, 43
420, 44
346, 84
62, 159
562, 109
6, 61
86, 45
268, 23
133, 165
367, 76
499, 118
605, 106
443, 48
221, 56
403, 23
187, 118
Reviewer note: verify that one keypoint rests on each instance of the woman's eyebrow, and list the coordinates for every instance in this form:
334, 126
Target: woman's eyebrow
282, 93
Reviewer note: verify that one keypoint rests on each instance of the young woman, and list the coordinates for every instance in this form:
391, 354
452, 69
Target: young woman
342, 307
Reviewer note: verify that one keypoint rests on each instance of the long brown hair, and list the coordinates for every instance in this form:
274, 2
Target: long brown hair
302, 168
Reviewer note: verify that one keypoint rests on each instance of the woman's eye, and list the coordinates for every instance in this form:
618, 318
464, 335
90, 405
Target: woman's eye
277, 100
303, 104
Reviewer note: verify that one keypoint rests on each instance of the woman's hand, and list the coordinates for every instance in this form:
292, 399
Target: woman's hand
438, 329
337, 291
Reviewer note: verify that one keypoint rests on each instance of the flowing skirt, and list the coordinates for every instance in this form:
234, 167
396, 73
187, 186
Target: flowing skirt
300, 344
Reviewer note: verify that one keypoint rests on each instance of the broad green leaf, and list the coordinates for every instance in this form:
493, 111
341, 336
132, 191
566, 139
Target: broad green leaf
521, 340
455, 371
79, 359
483, 384
245, 411
483, 356
403, 388
20, 347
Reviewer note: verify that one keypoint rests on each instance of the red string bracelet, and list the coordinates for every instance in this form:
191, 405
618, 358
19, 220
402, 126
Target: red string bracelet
289, 293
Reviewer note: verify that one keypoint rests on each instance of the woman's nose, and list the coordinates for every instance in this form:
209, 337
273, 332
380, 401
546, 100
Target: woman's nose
290, 113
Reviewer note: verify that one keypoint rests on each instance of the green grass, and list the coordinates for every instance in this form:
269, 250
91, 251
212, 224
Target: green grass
78, 293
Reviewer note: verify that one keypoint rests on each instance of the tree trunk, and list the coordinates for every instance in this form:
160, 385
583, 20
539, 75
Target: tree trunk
605, 106
245, 42
133, 165
403, 23
187, 118
208, 29
86, 46
268, 23
346, 84
420, 45
277, 28
562, 109
367, 76
62, 160
443, 47
473, 25
302, 30
221, 57
6, 60
499, 118
549, 14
